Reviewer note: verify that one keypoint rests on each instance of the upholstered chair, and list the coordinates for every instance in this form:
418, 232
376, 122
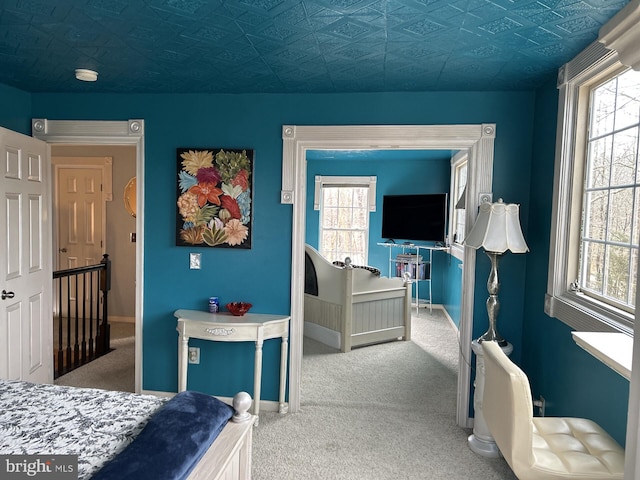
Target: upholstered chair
542, 447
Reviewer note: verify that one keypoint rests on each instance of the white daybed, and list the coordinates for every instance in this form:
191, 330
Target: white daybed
349, 306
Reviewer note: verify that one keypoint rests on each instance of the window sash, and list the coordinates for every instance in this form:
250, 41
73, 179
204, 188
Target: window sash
607, 262
565, 299
344, 204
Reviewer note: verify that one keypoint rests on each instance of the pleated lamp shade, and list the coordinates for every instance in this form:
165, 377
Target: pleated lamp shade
497, 229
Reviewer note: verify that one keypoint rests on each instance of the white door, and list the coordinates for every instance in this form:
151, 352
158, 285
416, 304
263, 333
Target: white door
80, 214
26, 325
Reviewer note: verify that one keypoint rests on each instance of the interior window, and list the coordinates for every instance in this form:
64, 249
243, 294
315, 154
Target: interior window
344, 204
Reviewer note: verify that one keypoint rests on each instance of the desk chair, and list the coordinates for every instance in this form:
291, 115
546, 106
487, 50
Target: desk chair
542, 448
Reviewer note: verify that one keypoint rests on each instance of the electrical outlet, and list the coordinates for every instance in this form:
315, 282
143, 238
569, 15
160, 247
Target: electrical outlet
194, 355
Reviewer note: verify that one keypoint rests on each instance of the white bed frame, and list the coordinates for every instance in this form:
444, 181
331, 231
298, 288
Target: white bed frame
355, 307
229, 456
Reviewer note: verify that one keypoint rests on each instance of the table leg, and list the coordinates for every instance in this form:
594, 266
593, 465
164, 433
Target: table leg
283, 373
257, 379
183, 360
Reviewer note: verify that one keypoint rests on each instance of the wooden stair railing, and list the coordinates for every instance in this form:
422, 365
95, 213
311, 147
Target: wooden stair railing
81, 321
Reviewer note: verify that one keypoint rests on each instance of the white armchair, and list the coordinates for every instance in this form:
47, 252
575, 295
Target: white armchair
542, 447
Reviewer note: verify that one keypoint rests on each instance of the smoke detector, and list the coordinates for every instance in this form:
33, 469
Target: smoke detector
86, 75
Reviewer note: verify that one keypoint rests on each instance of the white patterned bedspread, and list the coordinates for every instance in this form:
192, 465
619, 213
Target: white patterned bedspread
94, 424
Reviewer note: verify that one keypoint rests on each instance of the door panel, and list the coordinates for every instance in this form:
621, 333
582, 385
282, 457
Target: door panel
26, 334
80, 212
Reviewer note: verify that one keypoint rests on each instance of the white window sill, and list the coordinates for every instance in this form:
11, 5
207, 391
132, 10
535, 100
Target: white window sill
613, 349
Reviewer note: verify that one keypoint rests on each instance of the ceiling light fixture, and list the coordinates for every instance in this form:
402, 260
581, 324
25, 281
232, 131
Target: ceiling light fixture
86, 75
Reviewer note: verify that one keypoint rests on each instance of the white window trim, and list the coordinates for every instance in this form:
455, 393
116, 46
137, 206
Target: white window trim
339, 181
456, 249
561, 301
363, 181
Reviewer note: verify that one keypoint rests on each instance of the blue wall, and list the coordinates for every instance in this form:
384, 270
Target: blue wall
15, 109
262, 275
452, 290
572, 382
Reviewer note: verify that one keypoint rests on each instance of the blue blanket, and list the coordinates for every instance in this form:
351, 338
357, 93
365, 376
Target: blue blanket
173, 441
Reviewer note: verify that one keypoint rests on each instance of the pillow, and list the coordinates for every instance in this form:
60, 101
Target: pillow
373, 270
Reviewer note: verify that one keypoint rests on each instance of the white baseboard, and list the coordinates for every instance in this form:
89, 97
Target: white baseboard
322, 334
118, 319
448, 317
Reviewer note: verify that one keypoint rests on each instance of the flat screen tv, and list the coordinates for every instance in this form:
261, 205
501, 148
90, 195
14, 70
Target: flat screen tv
415, 217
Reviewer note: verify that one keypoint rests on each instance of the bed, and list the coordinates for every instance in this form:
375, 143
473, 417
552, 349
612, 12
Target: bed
128, 436
347, 306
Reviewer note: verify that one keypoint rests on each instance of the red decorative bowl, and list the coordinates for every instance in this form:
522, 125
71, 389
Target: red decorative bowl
238, 308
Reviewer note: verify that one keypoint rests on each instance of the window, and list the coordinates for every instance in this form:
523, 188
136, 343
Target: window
596, 213
344, 204
608, 254
459, 163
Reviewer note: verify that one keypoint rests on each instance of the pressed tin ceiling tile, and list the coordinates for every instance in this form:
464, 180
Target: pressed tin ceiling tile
284, 46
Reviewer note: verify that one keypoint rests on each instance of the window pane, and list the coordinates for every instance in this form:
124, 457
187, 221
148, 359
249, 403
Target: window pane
330, 196
361, 198
628, 100
633, 276
599, 162
617, 273
636, 220
625, 144
329, 217
620, 215
596, 214
360, 218
603, 108
593, 266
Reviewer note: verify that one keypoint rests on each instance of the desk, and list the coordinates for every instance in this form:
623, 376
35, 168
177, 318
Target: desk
611, 348
224, 327
414, 269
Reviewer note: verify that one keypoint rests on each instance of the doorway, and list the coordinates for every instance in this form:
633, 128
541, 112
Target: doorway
478, 140
100, 137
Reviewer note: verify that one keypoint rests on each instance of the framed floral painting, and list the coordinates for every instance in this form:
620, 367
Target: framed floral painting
214, 197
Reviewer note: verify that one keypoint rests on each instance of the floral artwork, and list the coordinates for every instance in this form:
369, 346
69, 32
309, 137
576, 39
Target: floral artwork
214, 197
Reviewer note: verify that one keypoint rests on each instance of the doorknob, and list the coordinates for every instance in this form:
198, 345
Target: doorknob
63, 250
6, 295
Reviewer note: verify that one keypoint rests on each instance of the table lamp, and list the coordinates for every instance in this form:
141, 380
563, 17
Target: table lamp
497, 229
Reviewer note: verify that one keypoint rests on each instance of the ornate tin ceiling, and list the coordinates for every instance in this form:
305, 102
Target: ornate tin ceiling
290, 46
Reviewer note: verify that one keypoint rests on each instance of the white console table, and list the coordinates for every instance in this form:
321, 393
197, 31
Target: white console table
428, 261
224, 327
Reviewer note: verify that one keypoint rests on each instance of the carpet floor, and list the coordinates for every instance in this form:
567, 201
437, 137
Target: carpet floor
380, 412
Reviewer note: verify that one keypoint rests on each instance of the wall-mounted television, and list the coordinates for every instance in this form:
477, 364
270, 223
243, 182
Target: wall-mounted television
415, 217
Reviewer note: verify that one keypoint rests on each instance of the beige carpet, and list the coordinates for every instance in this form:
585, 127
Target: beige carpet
382, 412
113, 371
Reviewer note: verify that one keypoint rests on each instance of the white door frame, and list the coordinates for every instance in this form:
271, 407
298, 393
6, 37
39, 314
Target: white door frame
478, 140
124, 132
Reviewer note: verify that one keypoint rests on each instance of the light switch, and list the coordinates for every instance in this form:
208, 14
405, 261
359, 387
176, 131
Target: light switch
194, 261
